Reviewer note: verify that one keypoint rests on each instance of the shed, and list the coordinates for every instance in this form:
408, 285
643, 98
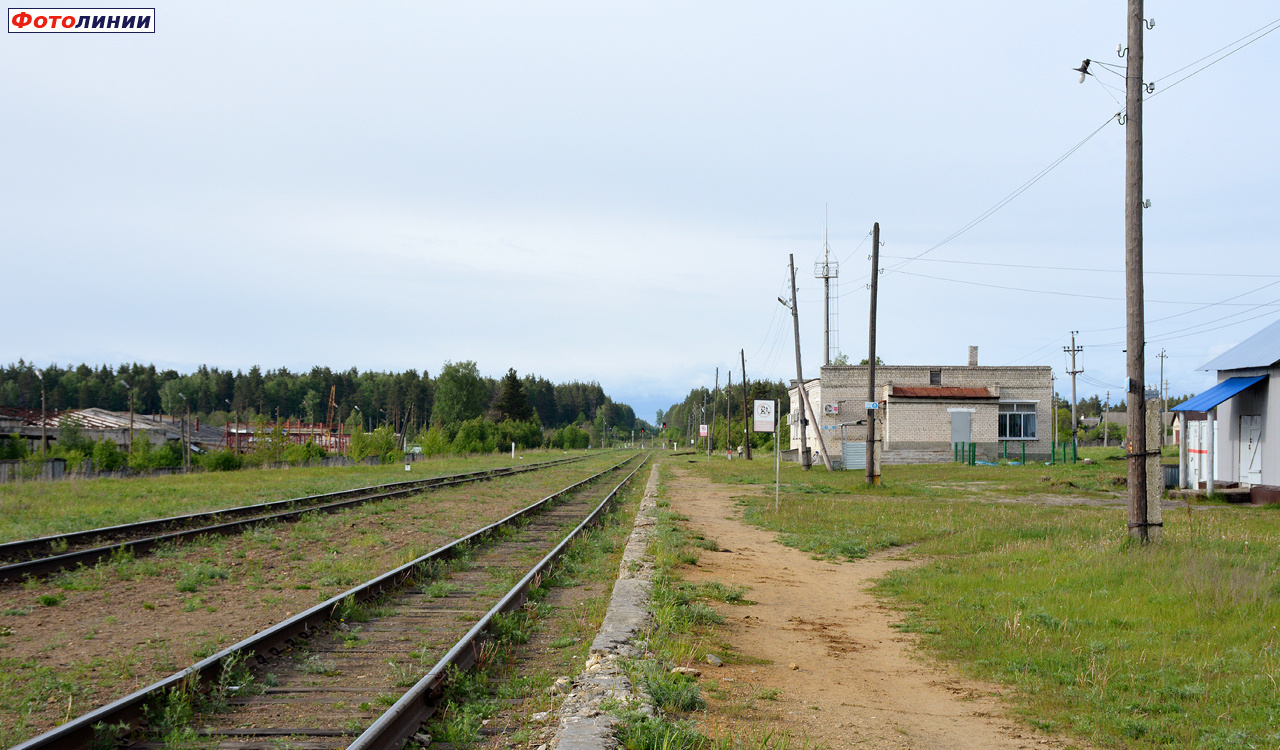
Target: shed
1231, 446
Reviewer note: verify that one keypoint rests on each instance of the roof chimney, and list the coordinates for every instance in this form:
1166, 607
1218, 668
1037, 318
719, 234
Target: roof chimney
973, 356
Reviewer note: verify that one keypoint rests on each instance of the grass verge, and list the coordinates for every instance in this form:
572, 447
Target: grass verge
1169, 644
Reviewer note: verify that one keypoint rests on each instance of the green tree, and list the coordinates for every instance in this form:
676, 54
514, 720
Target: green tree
513, 403
461, 394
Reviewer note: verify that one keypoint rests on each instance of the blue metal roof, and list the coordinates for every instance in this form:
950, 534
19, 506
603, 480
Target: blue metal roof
1217, 394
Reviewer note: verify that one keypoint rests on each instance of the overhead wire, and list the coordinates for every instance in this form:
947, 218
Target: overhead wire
1257, 34
1068, 294
1089, 270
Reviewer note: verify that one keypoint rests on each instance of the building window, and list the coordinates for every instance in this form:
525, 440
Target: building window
935, 377
1017, 421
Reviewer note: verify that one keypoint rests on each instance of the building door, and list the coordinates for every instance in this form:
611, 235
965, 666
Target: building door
1250, 444
961, 427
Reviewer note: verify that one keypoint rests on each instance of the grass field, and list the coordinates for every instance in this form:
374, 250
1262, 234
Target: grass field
1030, 581
32, 509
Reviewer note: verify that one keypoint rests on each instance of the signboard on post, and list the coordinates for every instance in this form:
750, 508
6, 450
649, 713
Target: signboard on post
765, 416
702, 430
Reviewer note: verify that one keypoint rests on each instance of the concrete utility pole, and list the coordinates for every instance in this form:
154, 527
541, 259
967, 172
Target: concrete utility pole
746, 427
795, 320
1135, 325
1073, 350
1162, 397
872, 476
44, 438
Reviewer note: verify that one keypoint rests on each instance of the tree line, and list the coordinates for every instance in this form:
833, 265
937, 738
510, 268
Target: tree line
682, 419
406, 401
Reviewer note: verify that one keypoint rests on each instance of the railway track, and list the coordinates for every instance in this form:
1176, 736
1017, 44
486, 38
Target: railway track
322, 679
51, 554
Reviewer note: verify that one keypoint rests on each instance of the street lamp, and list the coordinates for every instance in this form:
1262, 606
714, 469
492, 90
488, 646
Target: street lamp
186, 422
129, 448
353, 406
44, 441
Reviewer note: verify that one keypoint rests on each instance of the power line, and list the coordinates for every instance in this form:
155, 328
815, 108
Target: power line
1087, 270
1008, 198
1256, 33
1206, 307
1071, 294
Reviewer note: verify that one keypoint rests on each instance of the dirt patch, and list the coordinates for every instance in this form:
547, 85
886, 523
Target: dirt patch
838, 673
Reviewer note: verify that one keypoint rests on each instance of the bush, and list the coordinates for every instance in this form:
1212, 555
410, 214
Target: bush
569, 438
527, 434
301, 453
13, 448
223, 459
107, 457
433, 442
476, 436
381, 442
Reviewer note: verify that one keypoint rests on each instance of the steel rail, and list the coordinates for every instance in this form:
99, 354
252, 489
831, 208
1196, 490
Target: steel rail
79, 734
54, 563
390, 730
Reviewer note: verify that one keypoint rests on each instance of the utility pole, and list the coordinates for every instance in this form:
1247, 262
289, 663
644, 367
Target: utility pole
826, 269
806, 407
1073, 350
1106, 417
1162, 396
711, 431
872, 476
44, 438
795, 320
728, 414
1135, 325
746, 427
702, 419
1053, 402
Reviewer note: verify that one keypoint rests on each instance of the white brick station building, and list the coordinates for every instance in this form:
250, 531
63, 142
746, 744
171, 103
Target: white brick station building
925, 410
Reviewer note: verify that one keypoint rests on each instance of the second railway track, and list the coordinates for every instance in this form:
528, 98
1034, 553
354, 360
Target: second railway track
330, 678
50, 554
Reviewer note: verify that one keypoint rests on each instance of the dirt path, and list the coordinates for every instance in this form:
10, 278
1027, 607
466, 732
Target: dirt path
856, 682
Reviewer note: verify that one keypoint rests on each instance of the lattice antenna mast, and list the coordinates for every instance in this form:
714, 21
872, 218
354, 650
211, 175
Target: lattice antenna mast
826, 269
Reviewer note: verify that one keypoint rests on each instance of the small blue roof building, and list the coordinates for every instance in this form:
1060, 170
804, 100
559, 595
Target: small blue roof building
1245, 410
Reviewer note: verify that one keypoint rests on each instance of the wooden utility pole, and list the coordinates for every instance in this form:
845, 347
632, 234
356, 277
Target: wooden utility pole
1106, 419
873, 477
728, 414
1135, 325
795, 320
806, 407
1073, 350
711, 429
746, 427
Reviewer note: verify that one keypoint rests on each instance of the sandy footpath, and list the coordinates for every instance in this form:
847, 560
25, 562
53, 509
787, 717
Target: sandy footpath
857, 682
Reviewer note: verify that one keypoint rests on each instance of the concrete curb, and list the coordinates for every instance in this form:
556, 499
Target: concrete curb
582, 725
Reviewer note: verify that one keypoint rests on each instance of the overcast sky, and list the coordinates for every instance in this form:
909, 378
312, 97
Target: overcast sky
609, 191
